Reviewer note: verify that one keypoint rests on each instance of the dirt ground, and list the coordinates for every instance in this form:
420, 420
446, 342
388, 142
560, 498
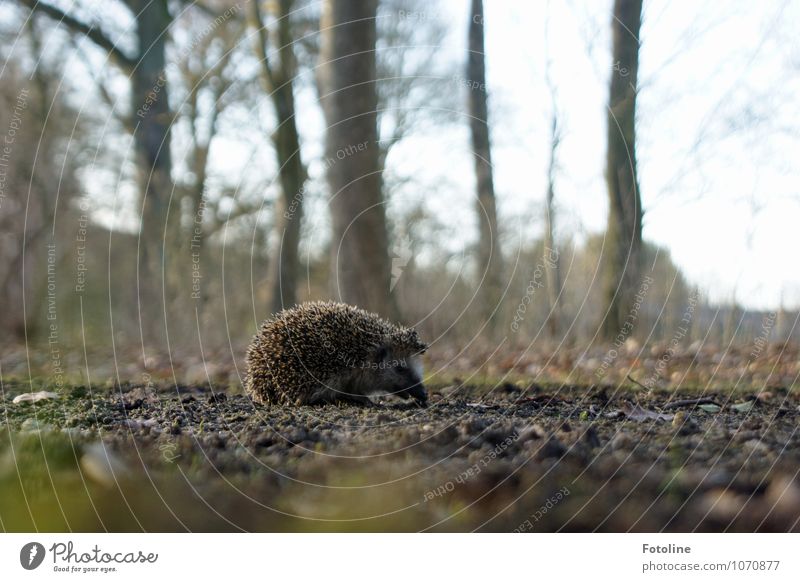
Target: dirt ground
518, 457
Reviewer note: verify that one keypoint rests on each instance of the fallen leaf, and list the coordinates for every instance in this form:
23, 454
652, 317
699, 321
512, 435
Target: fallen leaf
477, 405
639, 414
710, 407
746, 406
34, 396
546, 398
688, 402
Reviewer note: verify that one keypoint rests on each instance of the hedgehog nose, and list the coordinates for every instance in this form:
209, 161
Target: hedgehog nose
419, 395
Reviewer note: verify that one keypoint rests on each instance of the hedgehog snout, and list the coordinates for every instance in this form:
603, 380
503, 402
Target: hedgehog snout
418, 393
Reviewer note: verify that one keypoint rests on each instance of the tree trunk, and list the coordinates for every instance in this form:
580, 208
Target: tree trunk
551, 257
490, 265
153, 119
360, 246
284, 266
624, 235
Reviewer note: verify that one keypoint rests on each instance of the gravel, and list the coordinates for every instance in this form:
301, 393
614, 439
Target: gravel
475, 459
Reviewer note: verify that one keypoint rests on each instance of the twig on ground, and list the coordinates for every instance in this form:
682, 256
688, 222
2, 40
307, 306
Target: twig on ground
689, 402
637, 383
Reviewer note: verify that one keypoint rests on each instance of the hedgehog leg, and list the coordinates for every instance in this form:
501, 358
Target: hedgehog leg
319, 397
357, 399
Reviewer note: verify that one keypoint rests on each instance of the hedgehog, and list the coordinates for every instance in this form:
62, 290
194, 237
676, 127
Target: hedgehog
328, 352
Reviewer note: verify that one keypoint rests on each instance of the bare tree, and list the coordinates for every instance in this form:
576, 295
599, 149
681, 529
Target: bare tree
410, 66
551, 258
490, 264
278, 81
206, 87
42, 138
551, 254
151, 120
360, 257
409, 73
624, 235
148, 93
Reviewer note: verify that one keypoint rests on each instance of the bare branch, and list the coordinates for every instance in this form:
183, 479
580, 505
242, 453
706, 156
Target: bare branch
94, 34
205, 9
241, 210
125, 120
268, 76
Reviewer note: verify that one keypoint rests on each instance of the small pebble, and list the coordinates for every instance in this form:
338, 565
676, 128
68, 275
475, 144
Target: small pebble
622, 441
784, 493
679, 419
102, 465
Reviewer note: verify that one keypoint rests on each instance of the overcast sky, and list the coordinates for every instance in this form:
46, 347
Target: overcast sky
717, 126
718, 129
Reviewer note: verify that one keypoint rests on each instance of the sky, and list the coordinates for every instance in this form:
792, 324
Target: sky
717, 132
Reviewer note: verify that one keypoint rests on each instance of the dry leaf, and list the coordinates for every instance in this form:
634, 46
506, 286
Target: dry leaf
34, 396
746, 406
639, 414
480, 406
712, 408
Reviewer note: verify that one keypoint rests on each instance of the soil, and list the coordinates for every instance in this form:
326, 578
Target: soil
517, 457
